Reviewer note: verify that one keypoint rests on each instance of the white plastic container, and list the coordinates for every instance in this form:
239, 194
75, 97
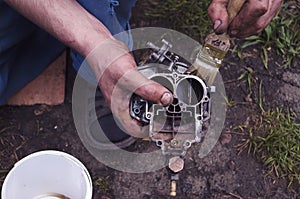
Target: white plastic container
48, 175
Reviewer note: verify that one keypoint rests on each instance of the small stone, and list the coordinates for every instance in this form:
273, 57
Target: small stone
41, 109
248, 99
231, 165
225, 138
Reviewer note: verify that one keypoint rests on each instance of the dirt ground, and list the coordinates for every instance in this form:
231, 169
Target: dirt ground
222, 174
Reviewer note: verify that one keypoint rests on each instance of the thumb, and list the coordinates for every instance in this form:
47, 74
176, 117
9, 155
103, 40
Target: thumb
146, 88
217, 12
155, 92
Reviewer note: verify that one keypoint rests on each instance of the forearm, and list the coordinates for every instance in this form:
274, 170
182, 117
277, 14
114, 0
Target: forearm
66, 20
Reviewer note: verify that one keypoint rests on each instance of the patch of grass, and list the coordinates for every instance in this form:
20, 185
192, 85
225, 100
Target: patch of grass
103, 183
189, 17
274, 138
229, 102
260, 98
4, 171
248, 75
281, 36
2, 134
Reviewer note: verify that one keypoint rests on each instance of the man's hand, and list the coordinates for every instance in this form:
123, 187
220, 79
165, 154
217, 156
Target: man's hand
254, 16
119, 78
112, 64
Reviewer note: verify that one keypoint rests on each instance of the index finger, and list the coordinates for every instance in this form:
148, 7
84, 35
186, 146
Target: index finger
218, 14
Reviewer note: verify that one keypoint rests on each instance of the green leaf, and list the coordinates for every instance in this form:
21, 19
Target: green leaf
265, 57
248, 43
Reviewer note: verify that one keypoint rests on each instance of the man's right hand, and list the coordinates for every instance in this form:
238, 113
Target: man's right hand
254, 16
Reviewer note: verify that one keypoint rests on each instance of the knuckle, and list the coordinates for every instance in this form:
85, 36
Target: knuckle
258, 7
216, 7
150, 92
261, 9
153, 95
260, 26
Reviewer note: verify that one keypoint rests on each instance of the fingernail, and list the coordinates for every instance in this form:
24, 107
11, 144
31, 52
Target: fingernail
166, 99
234, 32
217, 24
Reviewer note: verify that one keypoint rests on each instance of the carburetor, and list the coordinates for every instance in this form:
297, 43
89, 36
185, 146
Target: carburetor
174, 128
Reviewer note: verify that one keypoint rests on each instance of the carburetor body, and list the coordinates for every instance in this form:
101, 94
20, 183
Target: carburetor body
177, 126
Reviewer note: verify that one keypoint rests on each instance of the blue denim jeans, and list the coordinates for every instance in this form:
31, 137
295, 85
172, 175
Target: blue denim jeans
26, 50
115, 16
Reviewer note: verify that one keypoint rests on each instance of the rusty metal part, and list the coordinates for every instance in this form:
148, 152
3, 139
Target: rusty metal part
173, 188
176, 164
217, 45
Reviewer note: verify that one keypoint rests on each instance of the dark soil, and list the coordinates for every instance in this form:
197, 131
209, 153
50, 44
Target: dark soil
222, 174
